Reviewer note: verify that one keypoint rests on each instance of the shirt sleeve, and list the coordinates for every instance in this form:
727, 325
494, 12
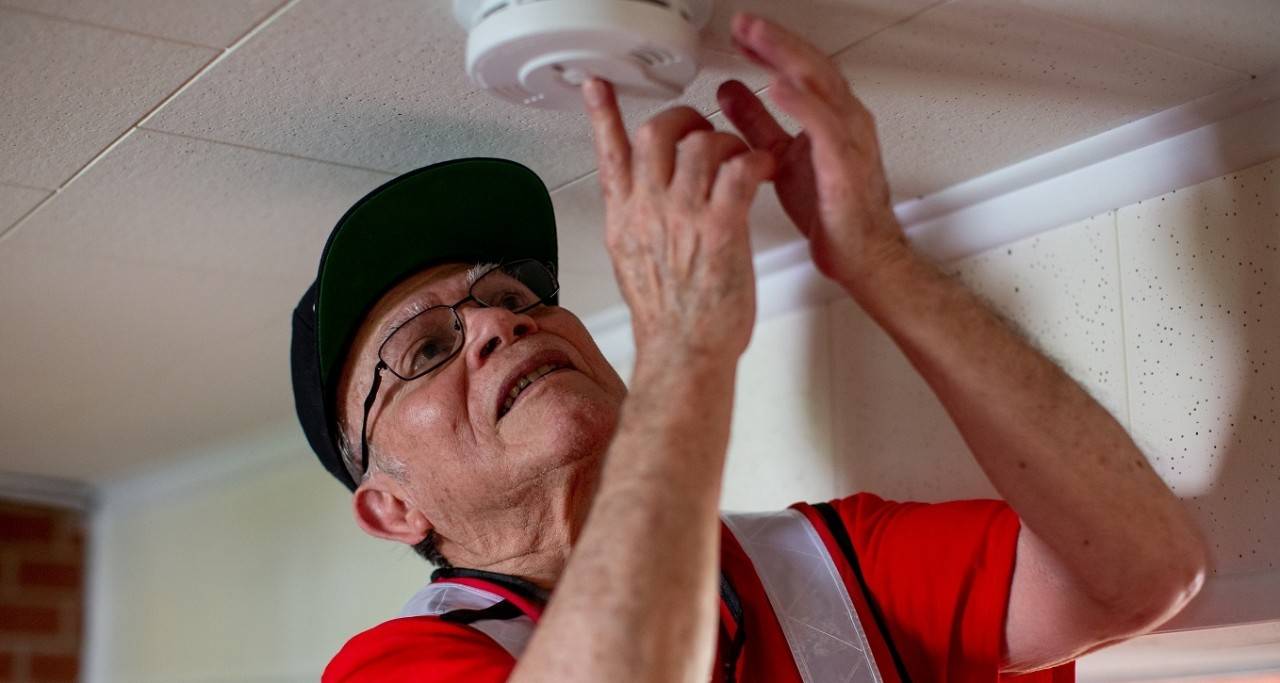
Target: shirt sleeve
422, 649
941, 575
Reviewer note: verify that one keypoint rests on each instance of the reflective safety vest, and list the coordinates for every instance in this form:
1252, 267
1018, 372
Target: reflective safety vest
802, 558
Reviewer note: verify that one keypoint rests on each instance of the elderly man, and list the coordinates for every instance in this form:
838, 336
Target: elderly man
575, 522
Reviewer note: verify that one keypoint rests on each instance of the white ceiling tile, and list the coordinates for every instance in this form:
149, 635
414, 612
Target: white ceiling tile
832, 25
974, 85
1239, 34
382, 86
1201, 271
780, 449
588, 293
1062, 289
15, 202
113, 364
216, 23
168, 200
71, 89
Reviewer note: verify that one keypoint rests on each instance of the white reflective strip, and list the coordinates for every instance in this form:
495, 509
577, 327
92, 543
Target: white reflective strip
437, 598
817, 616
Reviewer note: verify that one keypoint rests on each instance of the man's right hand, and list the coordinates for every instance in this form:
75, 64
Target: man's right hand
676, 205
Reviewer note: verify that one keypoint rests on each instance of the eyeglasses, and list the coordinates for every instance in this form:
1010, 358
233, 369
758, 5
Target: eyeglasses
433, 337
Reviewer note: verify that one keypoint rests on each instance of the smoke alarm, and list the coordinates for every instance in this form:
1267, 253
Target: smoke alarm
538, 52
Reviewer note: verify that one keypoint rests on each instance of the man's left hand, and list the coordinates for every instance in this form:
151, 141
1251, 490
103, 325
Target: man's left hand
830, 178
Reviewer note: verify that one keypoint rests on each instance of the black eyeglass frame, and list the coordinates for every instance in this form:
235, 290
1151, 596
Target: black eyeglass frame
462, 330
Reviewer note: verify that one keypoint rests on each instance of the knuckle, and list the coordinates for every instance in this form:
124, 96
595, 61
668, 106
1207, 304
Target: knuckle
699, 141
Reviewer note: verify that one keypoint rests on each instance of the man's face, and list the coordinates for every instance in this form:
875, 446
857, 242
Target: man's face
461, 461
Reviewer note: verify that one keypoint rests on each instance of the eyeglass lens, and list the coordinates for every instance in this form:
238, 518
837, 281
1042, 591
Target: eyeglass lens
432, 337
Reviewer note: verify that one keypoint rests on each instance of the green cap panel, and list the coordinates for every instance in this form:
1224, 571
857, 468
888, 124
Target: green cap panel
467, 210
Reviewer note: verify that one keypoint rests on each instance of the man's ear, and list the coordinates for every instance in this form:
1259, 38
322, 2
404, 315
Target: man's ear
382, 511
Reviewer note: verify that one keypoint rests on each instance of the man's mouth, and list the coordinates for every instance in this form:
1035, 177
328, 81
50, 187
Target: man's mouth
541, 367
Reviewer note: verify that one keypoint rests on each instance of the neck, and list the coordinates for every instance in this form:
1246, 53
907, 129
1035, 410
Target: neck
532, 536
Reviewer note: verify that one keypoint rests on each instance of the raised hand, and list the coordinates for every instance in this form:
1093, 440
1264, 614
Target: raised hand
676, 204
830, 178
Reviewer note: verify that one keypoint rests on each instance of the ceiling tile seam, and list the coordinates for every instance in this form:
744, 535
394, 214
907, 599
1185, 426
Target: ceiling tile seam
20, 186
911, 17
270, 17
104, 27
218, 57
593, 171
6, 229
1130, 39
1124, 333
224, 143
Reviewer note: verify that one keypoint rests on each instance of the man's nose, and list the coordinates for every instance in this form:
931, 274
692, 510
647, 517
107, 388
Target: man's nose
491, 328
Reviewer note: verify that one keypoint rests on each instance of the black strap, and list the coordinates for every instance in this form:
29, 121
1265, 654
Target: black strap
836, 527
515, 584
499, 610
734, 604
506, 610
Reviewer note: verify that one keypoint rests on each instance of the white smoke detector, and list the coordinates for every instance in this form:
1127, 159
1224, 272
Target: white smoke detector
538, 52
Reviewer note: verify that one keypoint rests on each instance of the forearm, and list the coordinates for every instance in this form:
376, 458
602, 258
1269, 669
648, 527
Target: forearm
1062, 462
637, 600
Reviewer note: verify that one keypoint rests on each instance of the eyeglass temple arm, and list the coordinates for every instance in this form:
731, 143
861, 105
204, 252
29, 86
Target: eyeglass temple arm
364, 423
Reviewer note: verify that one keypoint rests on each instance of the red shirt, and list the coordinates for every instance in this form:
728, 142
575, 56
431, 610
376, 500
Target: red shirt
941, 574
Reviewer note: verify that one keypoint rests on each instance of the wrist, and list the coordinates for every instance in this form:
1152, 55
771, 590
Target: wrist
881, 260
683, 366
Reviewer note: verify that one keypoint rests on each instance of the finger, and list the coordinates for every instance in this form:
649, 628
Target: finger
739, 180
748, 114
788, 54
699, 157
613, 150
833, 148
655, 143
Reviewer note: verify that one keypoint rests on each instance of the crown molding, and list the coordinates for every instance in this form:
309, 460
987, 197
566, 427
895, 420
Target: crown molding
49, 491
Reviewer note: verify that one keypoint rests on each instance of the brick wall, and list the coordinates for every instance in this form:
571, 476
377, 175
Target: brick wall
41, 593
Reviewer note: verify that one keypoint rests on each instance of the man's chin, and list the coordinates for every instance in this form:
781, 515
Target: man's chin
564, 420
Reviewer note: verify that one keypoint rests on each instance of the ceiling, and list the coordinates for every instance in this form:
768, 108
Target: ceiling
169, 169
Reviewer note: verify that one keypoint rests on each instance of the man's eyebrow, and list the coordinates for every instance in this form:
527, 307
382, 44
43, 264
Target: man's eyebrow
395, 323
417, 306
476, 271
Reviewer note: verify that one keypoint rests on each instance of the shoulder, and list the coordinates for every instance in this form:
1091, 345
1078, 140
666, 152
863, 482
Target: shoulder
422, 648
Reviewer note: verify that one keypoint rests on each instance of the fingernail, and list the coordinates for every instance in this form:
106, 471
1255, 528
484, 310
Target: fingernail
742, 23
594, 91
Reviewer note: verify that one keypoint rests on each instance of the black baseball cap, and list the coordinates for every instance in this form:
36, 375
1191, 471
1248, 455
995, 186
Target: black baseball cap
465, 210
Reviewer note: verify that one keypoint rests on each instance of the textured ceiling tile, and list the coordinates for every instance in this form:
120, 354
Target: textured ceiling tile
382, 86
15, 202
971, 86
113, 364
1239, 34
1201, 271
173, 201
588, 293
71, 89
216, 23
832, 25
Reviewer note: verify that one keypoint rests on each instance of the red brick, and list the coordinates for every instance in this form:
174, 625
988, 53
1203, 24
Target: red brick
7, 667
49, 575
33, 620
54, 668
17, 527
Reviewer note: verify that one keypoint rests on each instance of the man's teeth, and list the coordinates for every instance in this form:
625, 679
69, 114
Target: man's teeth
525, 382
